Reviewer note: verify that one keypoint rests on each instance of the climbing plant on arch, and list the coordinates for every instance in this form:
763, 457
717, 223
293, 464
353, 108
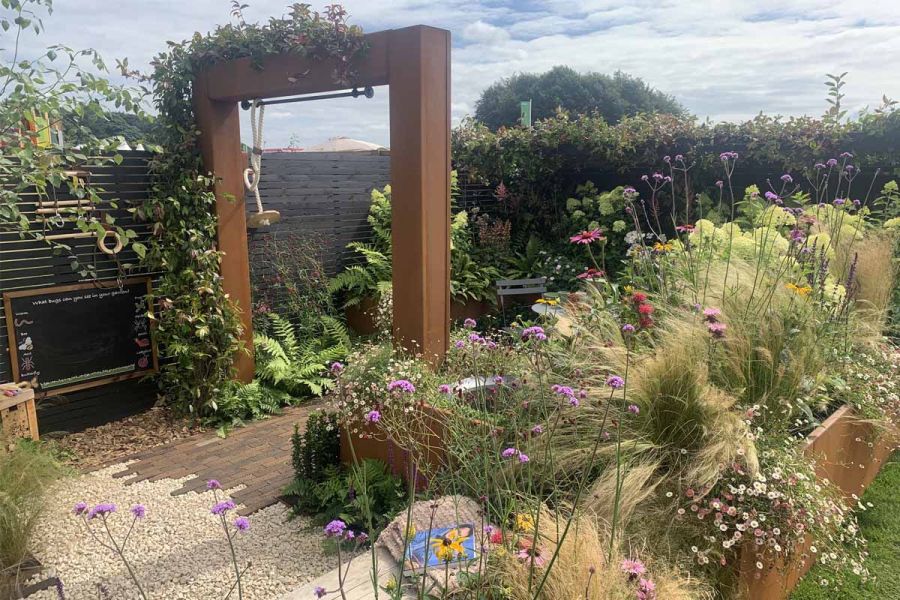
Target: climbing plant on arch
200, 239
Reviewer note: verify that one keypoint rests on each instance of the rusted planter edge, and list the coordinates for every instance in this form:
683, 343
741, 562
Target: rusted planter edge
849, 452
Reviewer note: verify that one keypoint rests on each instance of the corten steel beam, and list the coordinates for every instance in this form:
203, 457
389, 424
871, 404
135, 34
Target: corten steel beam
220, 147
419, 84
415, 63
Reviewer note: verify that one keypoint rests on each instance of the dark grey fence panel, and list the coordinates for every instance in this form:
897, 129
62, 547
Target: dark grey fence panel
27, 263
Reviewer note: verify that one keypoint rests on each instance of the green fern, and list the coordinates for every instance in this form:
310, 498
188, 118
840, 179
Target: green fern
299, 367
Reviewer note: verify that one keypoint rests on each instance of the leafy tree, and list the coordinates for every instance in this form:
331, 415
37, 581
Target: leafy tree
134, 128
612, 97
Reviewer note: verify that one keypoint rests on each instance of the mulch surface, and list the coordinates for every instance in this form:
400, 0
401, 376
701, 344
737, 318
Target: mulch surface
115, 441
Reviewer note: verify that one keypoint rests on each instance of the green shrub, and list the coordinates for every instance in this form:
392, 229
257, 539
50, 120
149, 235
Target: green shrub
25, 473
242, 402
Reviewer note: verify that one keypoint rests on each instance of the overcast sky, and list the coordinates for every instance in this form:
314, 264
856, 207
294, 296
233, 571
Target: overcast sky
723, 59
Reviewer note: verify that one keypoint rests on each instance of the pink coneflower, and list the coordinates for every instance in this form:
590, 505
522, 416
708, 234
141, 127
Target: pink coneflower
529, 553
686, 228
586, 237
646, 590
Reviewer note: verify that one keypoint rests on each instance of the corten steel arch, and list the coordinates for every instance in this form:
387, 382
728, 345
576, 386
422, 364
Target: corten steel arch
415, 63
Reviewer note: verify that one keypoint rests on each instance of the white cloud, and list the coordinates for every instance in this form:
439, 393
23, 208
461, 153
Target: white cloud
725, 59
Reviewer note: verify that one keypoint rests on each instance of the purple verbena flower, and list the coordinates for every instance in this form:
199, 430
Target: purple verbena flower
139, 511
213, 484
537, 430
319, 592
562, 390
337, 368
373, 416
627, 328
797, 236
242, 523
335, 528
534, 333
445, 388
634, 409
787, 178
220, 508
831, 162
80, 508
845, 155
509, 453
523, 458
839, 201
101, 510
459, 344
615, 382
772, 196
470, 323
403, 385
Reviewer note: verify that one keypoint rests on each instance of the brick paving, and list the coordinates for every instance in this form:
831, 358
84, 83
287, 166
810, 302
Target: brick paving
257, 456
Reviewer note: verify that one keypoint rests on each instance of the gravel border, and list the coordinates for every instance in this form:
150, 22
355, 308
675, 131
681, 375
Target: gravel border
178, 551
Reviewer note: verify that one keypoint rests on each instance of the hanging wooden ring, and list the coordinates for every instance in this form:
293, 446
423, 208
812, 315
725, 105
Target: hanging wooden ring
101, 242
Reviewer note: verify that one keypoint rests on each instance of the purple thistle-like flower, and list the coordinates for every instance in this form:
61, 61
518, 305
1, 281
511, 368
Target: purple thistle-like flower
615, 382
335, 528
337, 368
633, 567
717, 329
445, 388
242, 523
403, 385
101, 510
373, 416
220, 508
711, 314
80, 508
139, 511
319, 592
523, 458
469, 323
634, 409
627, 328
213, 484
509, 453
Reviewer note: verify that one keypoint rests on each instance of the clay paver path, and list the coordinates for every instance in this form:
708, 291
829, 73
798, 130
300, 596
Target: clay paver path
257, 456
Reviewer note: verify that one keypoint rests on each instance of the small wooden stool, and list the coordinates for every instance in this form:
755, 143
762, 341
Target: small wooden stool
17, 412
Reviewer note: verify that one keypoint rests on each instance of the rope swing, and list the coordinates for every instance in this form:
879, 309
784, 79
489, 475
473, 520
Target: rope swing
262, 218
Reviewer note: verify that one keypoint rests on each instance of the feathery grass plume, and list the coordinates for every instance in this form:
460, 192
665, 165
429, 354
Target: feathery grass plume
582, 571
876, 272
639, 483
25, 473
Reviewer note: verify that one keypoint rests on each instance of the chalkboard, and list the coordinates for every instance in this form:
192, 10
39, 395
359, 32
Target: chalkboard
78, 336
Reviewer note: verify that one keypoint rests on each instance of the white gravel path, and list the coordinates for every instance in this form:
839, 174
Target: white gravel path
178, 551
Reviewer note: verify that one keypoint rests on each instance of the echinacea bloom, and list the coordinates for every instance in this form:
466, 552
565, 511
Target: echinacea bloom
403, 385
101, 510
80, 508
242, 523
220, 508
139, 511
444, 388
633, 567
717, 329
319, 592
469, 323
373, 416
335, 528
687, 228
591, 273
530, 554
711, 314
586, 237
213, 484
615, 382
633, 409
337, 368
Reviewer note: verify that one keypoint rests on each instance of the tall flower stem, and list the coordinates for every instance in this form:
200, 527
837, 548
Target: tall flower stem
120, 550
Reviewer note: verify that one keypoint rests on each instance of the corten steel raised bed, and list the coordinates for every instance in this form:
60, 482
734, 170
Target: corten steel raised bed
849, 452
361, 317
